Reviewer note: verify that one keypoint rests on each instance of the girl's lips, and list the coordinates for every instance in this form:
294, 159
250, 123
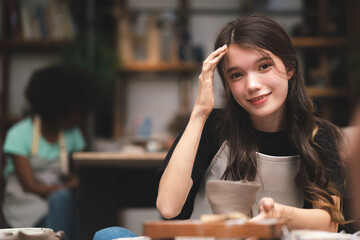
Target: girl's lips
259, 100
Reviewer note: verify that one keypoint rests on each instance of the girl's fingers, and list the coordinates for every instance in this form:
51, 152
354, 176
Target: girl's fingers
216, 53
217, 58
214, 57
266, 204
259, 217
211, 61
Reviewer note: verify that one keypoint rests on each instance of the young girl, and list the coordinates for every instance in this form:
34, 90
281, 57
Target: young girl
40, 182
266, 132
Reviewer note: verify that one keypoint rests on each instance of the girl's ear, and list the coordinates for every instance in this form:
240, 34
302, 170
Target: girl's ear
290, 73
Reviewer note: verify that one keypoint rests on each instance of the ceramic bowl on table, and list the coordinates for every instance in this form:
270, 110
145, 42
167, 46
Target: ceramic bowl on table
231, 196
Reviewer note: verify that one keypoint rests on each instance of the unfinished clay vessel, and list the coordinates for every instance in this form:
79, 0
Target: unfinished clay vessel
231, 196
31, 234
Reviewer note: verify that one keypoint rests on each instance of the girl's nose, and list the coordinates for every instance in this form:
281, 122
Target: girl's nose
253, 83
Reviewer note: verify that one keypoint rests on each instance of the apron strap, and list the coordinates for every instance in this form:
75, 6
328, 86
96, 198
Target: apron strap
64, 161
36, 136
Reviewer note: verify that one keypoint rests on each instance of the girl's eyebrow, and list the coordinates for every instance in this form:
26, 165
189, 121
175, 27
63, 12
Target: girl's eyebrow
264, 58
231, 69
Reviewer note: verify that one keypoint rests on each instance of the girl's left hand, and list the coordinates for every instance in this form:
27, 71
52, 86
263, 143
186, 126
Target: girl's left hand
268, 208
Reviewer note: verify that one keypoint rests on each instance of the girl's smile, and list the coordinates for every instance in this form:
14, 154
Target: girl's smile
259, 100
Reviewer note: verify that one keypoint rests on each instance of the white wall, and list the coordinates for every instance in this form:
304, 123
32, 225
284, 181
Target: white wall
154, 96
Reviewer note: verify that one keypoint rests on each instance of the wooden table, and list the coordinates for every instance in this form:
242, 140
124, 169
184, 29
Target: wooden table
113, 180
119, 159
224, 229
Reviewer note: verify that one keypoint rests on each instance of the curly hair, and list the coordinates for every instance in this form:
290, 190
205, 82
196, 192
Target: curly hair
265, 35
58, 91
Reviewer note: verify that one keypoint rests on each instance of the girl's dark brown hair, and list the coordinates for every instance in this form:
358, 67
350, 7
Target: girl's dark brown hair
265, 35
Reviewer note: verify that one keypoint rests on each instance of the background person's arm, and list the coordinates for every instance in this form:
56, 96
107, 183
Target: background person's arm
28, 182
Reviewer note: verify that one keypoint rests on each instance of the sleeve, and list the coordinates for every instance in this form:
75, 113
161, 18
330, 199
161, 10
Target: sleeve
208, 146
74, 140
17, 141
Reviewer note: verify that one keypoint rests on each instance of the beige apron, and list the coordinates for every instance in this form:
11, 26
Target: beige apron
276, 176
22, 209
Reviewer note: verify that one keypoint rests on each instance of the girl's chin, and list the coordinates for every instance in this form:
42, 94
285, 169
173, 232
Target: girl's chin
261, 114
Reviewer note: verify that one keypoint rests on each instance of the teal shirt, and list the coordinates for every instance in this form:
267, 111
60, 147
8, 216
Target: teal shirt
19, 138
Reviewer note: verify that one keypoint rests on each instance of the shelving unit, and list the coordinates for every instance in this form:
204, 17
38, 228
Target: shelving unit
332, 93
322, 45
319, 42
151, 63
14, 40
33, 44
324, 94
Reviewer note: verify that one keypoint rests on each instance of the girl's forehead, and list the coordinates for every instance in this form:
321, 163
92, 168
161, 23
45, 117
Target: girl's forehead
240, 55
250, 52
250, 49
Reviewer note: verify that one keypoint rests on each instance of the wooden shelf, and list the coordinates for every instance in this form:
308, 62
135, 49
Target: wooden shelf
160, 67
45, 44
318, 42
327, 92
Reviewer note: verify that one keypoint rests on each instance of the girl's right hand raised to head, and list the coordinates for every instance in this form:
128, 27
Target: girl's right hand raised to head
205, 97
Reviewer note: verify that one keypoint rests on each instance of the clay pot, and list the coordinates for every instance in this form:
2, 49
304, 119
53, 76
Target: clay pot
231, 196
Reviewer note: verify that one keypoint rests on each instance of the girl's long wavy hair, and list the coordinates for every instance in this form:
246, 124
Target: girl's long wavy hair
265, 35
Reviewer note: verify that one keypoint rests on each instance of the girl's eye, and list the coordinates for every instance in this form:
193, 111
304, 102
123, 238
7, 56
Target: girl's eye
236, 75
265, 66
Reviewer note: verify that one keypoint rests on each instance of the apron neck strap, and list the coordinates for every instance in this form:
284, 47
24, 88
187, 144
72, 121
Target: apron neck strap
64, 163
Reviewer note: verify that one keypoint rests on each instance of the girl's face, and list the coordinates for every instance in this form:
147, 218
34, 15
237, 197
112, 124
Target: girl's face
259, 84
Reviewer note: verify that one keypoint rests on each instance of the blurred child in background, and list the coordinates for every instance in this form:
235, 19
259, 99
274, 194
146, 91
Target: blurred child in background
40, 180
